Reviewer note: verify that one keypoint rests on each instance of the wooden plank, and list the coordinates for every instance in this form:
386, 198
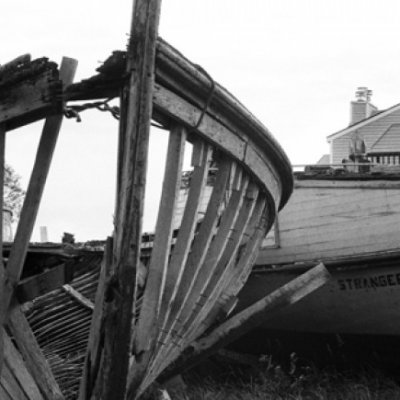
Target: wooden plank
204, 256
17, 366
200, 161
34, 192
220, 136
11, 385
2, 271
199, 248
33, 356
249, 318
78, 297
96, 336
40, 284
29, 93
3, 394
224, 270
137, 102
260, 220
206, 272
162, 242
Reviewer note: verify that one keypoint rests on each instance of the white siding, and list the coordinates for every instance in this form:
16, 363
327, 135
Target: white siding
389, 142
371, 133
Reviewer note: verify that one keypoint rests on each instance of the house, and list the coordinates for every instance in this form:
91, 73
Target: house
375, 133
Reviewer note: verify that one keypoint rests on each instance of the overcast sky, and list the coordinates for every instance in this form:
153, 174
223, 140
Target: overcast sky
294, 63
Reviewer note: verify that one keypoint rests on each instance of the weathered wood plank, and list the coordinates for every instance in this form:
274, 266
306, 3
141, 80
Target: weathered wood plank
227, 299
3, 393
28, 93
40, 284
137, 102
251, 317
96, 336
209, 267
224, 270
200, 161
17, 366
162, 241
199, 247
200, 250
34, 192
33, 356
11, 385
78, 297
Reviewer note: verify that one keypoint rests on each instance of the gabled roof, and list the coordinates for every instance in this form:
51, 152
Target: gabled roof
364, 122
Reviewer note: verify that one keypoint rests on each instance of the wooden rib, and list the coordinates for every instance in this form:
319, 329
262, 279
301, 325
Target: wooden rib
96, 336
255, 234
206, 271
162, 240
32, 354
15, 363
137, 103
222, 274
200, 161
34, 192
214, 254
2, 272
251, 317
200, 244
198, 251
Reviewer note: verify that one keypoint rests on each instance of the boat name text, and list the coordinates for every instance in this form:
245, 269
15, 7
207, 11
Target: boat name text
369, 282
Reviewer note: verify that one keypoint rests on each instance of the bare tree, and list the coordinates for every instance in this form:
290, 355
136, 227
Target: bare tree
13, 192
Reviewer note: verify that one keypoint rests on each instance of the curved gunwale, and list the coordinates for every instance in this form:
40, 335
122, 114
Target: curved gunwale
226, 123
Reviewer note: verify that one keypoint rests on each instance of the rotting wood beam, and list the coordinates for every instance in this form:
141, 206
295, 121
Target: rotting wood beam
136, 105
29, 91
34, 193
249, 318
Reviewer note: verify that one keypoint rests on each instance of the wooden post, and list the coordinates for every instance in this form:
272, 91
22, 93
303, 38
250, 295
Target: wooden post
96, 336
249, 318
136, 105
33, 196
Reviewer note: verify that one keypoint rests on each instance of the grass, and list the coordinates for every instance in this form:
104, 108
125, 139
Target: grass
271, 382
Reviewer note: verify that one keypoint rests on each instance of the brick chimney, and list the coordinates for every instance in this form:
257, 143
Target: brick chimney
362, 107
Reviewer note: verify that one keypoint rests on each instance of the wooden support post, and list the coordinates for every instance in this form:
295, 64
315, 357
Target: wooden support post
34, 193
249, 318
96, 336
34, 359
2, 273
162, 241
136, 103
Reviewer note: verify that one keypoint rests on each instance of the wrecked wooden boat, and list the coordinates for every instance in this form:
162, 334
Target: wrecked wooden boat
350, 222
118, 345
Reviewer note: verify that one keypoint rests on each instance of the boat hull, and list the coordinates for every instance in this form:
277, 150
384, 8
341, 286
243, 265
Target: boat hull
357, 300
